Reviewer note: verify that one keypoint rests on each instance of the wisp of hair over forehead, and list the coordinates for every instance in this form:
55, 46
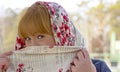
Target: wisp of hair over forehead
35, 20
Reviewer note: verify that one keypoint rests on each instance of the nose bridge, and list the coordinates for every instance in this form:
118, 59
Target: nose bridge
34, 42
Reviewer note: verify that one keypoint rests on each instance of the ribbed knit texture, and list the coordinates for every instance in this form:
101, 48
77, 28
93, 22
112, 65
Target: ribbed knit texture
42, 59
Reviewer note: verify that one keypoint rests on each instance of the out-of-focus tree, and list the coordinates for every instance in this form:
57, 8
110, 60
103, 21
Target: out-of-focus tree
10, 29
98, 22
115, 18
11, 21
102, 18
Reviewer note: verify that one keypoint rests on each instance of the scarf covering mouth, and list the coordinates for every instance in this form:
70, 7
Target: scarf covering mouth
64, 31
42, 59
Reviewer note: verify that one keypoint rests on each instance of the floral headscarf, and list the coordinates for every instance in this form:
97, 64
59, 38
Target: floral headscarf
64, 31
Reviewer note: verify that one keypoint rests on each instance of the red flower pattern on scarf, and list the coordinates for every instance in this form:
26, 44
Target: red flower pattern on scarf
20, 68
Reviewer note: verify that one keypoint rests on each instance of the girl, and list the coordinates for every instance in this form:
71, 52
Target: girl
47, 24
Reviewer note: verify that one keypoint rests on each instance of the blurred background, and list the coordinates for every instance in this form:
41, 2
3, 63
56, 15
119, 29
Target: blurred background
97, 20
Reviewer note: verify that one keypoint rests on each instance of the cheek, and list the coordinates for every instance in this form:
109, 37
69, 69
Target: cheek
48, 42
27, 44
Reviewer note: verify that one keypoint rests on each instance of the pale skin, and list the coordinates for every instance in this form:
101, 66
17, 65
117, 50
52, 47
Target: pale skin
81, 64
4, 61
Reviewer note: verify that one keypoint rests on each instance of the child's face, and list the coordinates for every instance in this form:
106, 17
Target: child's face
40, 40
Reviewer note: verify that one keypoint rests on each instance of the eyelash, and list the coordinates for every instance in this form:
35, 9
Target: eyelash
27, 38
40, 36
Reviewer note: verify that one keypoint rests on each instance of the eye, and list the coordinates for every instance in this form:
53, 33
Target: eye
40, 36
27, 39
